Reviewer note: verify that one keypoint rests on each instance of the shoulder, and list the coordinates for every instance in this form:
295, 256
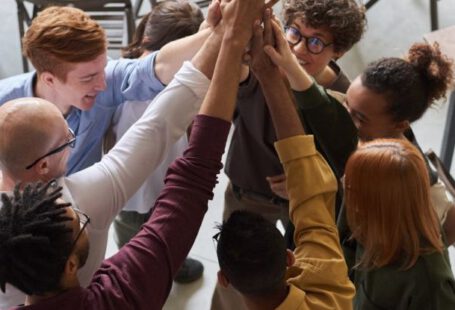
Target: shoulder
16, 86
341, 83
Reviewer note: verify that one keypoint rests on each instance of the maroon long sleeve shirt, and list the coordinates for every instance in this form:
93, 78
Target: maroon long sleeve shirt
140, 275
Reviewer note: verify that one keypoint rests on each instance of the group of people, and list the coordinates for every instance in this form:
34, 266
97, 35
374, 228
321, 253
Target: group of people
137, 142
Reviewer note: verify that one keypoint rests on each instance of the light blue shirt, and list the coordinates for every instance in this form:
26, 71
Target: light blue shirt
126, 79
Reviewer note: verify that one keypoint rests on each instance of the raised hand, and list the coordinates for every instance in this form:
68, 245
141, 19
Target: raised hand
213, 15
238, 17
282, 56
260, 62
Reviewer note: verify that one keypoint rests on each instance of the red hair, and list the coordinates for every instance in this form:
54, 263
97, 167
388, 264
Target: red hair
61, 36
388, 204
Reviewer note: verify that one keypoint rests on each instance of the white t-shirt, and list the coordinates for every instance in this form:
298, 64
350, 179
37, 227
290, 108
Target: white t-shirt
144, 199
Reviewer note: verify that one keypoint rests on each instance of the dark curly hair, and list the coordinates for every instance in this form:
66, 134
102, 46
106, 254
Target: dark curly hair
413, 84
344, 19
168, 21
252, 253
35, 240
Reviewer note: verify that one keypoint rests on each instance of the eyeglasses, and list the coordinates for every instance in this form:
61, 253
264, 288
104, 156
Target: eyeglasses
313, 44
84, 219
71, 143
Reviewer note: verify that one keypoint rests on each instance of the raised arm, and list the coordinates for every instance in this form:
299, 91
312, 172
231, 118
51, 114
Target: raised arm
311, 186
172, 55
140, 275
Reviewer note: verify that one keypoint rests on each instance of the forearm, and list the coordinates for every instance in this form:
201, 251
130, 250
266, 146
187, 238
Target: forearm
222, 92
281, 105
205, 58
172, 55
312, 187
140, 274
298, 78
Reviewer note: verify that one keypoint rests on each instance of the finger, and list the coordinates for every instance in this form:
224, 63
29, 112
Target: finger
246, 59
271, 3
278, 34
277, 178
257, 41
268, 32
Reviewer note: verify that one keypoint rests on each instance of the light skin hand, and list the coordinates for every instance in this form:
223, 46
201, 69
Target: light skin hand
278, 185
239, 16
283, 57
213, 16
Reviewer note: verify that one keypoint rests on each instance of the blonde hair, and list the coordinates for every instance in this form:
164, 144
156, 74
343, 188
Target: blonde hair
388, 205
61, 36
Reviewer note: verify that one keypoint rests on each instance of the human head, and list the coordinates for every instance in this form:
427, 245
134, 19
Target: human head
392, 92
37, 231
31, 127
167, 21
341, 22
68, 50
249, 245
60, 37
388, 205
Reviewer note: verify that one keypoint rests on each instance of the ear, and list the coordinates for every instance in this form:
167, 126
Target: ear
42, 167
402, 126
290, 258
48, 78
71, 266
222, 280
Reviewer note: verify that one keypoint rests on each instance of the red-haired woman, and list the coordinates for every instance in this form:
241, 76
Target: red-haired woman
402, 262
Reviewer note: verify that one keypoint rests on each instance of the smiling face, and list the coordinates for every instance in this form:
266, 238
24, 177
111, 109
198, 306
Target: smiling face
369, 111
314, 64
83, 82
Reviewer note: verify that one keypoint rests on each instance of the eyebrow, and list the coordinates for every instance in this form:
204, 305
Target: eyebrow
316, 34
357, 113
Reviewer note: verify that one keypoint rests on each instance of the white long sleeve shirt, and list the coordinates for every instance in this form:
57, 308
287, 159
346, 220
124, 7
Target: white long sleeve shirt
102, 190
143, 200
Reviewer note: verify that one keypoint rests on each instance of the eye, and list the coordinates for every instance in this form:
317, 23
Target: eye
292, 35
315, 44
87, 79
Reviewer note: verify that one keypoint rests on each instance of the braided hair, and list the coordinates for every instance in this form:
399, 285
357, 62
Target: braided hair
35, 239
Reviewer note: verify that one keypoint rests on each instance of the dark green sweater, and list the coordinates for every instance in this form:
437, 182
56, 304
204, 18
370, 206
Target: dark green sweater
429, 284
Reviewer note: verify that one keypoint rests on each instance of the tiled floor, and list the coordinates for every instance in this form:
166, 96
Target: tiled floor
393, 26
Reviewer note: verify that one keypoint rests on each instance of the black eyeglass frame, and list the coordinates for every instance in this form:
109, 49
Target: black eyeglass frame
71, 143
86, 218
307, 39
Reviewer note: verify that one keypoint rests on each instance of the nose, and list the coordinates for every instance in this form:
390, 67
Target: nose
101, 82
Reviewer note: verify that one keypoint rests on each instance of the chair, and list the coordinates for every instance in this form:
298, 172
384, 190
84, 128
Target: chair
138, 5
433, 12
442, 172
115, 16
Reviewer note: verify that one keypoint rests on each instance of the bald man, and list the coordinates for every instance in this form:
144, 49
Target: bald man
35, 143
